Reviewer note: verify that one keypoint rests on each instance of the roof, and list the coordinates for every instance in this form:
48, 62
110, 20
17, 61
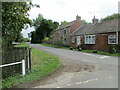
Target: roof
103, 27
66, 25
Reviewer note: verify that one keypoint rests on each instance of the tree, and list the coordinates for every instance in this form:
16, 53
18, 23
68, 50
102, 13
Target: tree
19, 37
84, 21
64, 22
114, 16
43, 28
14, 19
37, 21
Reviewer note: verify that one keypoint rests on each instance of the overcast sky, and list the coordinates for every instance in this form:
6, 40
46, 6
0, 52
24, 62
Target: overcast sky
60, 10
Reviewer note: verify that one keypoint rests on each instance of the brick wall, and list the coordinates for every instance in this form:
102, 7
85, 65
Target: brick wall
76, 25
72, 44
101, 42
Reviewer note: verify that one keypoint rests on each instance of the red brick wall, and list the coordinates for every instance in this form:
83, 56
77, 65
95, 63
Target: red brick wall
101, 42
76, 25
72, 44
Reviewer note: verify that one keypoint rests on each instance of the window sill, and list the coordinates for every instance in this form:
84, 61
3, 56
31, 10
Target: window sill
90, 43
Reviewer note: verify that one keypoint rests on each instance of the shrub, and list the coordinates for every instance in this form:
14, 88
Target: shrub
80, 49
59, 42
71, 48
94, 51
112, 49
81, 46
117, 47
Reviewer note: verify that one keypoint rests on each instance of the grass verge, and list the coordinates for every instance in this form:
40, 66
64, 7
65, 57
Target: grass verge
86, 51
43, 64
54, 46
100, 52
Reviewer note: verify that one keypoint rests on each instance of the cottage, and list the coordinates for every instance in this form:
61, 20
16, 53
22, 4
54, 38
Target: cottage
63, 32
96, 36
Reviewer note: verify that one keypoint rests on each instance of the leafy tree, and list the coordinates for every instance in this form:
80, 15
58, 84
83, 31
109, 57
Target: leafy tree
114, 16
64, 22
26, 39
19, 37
43, 28
84, 21
14, 19
37, 21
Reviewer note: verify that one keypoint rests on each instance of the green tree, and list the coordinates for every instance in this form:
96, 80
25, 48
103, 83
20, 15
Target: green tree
84, 21
14, 19
64, 22
114, 16
19, 37
43, 28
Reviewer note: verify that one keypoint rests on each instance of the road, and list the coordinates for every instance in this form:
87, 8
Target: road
81, 70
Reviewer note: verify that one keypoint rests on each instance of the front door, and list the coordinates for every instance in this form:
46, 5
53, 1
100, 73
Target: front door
78, 40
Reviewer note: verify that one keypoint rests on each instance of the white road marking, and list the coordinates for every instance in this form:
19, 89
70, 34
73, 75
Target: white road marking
58, 87
98, 56
93, 80
78, 82
104, 57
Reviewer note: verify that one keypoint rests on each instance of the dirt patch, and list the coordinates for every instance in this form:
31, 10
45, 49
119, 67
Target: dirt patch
51, 78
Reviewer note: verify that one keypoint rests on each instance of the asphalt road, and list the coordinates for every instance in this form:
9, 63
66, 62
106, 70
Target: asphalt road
81, 70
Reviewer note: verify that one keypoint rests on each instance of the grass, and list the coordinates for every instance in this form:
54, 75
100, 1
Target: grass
43, 64
100, 52
86, 51
55, 46
22, 45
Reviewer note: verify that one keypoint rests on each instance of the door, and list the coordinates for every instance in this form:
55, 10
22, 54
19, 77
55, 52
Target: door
78, 40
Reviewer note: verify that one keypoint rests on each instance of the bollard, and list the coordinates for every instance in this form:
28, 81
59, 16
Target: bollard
23, 67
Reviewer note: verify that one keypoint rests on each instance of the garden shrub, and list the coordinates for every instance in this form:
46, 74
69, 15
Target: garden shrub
94, 51
112, 49
71, 48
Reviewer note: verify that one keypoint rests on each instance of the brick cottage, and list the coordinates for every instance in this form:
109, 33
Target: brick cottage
96, 36
63, 32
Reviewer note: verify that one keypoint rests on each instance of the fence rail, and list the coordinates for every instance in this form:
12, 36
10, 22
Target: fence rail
14, 56
22, 62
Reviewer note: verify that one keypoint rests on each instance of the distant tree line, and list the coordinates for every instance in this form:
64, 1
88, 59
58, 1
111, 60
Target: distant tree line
43, 29
114, 16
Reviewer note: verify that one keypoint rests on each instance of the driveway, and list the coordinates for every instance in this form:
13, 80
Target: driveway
80, 70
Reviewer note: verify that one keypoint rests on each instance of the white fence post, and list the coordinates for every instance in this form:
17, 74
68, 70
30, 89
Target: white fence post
23, 67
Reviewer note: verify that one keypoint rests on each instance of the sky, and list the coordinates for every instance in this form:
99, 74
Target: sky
60, 10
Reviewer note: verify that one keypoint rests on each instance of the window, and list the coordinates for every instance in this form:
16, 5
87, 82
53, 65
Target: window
90, 39
65, 32
73, 39
112, 39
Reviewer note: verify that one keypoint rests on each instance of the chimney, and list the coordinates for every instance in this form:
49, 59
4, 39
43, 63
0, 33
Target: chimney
94, 21
78, 18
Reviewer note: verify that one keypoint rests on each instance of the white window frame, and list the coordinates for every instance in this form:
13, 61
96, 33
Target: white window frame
89, 39
112, 36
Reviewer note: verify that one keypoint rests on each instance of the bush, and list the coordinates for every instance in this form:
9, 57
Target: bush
112, 49
94, 51
59, 43
81, 46
71, 48
117, 47
80, 49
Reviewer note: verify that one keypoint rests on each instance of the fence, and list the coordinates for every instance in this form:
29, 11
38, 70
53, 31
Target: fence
23, 66
14, 55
